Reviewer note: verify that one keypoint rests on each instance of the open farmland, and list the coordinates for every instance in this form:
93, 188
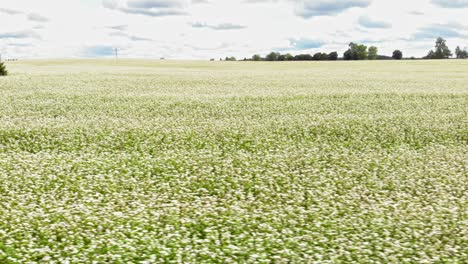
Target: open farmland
234, 162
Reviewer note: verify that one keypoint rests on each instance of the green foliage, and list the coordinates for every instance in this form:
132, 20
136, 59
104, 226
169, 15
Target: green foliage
333, 56
230, 59
461, 53
3, 70
320, 56
372, 53
199, 162
397, 55
256, 57
303, 57
285, 57
441, 50
273, 56
430, 55
356, 52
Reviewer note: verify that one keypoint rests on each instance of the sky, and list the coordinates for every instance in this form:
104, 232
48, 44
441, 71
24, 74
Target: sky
204, 29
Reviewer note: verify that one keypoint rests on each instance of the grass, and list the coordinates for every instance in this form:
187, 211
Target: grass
234, 162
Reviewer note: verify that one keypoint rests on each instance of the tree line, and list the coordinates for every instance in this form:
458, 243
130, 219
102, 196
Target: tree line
358, 51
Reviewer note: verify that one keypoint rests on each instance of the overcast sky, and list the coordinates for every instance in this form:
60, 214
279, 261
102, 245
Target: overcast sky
203, 29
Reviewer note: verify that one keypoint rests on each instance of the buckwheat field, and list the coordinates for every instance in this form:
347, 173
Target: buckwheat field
140, 161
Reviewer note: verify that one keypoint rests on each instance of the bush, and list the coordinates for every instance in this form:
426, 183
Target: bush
3, 71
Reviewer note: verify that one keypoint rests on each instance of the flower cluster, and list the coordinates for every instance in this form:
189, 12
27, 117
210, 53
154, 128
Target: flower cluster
194, 162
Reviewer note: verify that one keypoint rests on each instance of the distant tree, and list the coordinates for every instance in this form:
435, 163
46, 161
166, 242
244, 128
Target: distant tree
3, 70
285, 57
324, 56
461, 53
372, 53
317, 56
303, 57
356, 52
348, 55
288, 57
333, 56
273, 56
397, 55
320, 56
230, 59
256, 57
441, 50
458, 52
430, 55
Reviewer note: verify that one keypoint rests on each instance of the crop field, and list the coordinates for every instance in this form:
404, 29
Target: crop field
141, 161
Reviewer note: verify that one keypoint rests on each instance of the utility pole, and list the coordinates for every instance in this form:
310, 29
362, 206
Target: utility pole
116, 53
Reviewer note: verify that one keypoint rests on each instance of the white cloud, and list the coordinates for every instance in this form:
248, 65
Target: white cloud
314, 8
37, 17
368, 22
451, 3
203, 29
10, 11
223, 26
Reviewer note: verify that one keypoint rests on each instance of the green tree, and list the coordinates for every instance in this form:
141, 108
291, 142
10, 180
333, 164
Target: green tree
441, 50
397, 55
3, 70
372, 53
273, 56
430, 55
285, 57
348, 55
333, 56
289, 57
461, 53
256, 57
356, 52
303, 57
320, 56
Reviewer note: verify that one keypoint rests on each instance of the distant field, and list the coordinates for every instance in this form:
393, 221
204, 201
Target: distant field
234, 162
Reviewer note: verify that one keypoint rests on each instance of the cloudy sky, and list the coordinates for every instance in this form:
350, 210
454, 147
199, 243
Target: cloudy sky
203, 29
